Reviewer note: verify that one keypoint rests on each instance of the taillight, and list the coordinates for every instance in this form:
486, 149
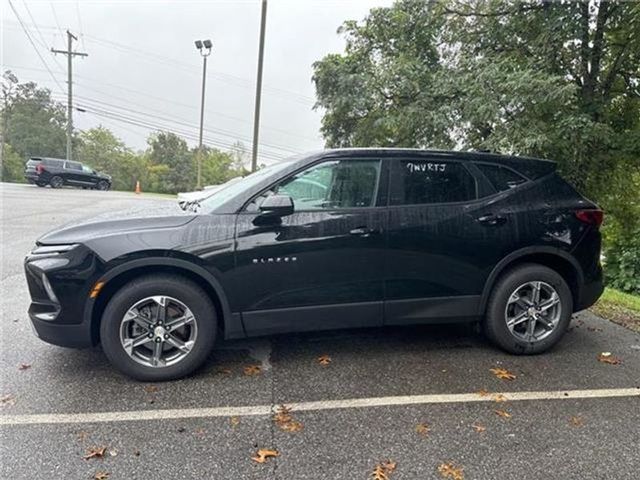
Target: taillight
592, 217
39, 168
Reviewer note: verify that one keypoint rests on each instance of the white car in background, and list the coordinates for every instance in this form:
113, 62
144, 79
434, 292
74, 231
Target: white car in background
187, 199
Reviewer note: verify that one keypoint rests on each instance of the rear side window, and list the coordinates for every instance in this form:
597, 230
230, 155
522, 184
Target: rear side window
49, 162
425, 182
501, 178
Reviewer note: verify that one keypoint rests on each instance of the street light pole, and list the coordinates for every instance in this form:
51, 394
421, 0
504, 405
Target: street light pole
256, 114
204, 46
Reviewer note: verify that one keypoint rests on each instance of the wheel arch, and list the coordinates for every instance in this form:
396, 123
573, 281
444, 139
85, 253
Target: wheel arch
115, 278
558, 260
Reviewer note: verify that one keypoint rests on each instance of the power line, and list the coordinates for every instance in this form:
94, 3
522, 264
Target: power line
80, 24
55, 17
163, 100
26, 32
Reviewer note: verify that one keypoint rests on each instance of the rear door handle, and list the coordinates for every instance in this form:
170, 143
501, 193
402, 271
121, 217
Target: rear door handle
363, 231
491, 220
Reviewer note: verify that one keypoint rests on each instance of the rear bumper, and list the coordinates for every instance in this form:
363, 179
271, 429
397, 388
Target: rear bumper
590, 293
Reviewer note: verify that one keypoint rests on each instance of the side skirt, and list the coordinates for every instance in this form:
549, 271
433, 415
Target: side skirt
432, 310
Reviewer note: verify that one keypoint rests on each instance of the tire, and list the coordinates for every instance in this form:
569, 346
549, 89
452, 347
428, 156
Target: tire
502, 306
103, 185
177, 289
56, 181
41, 184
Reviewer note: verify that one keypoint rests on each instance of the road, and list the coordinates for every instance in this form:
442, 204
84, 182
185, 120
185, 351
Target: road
580, 419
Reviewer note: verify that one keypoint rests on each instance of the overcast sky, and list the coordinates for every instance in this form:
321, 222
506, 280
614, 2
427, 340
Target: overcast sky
143, 66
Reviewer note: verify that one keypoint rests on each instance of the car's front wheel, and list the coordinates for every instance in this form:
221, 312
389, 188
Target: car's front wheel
158, 328
529, 310
103, 185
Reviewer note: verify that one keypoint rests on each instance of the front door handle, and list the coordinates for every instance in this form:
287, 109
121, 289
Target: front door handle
491, 220
363, 231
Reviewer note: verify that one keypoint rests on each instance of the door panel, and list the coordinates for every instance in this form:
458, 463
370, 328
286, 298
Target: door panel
439, 254
310, 260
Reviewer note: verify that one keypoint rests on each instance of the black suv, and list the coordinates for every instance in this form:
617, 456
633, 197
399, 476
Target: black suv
58, 172
336, 239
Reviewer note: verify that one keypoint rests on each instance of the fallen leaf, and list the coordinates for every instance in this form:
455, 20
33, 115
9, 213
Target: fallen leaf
576, 421
484, 393
7, 400
449, 470
607, 357
423, 429
382, 470
324, 360
234, 421
150, 389
82, 436
503, 373
101, 476
224, 371
284, 420
594, 329
478, 427
499, 398
95, 452
24, 366
502, 413
113, 453
199, 432
252, 370
263, 454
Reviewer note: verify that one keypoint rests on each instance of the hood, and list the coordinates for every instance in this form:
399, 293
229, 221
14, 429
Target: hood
96, 228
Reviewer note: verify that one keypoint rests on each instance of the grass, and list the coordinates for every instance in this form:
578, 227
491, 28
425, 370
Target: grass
619, 307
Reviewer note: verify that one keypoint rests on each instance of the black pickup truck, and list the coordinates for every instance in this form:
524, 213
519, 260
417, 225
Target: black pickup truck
58, 172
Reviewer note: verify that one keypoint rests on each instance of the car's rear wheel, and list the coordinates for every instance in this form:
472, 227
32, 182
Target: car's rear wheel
103, 185
158, 328
56, 182
529, 310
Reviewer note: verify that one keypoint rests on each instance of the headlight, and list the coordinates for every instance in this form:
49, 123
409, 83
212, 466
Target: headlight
53, 249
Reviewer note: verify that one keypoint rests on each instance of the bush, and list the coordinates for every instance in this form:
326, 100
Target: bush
622, 265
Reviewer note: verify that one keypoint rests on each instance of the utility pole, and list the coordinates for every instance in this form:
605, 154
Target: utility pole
204, 46
256, 115
70, 54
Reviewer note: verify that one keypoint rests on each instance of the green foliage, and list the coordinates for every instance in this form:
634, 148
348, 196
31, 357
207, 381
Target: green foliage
622, 266
12, 165
32, 122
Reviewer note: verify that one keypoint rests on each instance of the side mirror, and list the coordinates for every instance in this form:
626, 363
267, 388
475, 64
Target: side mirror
277, 205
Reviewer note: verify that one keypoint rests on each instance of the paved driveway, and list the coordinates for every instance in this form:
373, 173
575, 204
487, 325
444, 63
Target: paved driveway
419, 396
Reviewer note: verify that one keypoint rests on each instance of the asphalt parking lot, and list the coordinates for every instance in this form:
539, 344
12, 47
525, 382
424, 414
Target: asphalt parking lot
421, 397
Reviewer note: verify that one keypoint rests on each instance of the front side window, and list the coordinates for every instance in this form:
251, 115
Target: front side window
430, 181
333, 185
86, 169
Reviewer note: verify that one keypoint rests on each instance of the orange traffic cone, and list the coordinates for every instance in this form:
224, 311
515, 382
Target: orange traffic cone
137, 186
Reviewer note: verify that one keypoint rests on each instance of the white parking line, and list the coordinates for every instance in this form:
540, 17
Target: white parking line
263, 410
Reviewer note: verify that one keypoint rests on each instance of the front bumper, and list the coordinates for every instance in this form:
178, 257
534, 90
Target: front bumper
59, 285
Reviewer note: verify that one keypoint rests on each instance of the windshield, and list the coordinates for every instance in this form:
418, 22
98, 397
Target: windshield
233, 189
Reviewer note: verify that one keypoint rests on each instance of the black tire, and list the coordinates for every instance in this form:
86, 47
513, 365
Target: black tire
495, 322
56, 181
174, 286
103, 185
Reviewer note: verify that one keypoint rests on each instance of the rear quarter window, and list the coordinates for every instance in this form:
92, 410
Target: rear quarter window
49, 162
502, 178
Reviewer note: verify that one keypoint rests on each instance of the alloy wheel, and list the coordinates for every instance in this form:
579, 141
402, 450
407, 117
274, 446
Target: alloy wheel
158, 331
533, 311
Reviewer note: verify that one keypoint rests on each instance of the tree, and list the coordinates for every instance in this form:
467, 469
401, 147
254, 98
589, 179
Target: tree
557, 79
12, 165
101, 149
171, 162
33, 124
